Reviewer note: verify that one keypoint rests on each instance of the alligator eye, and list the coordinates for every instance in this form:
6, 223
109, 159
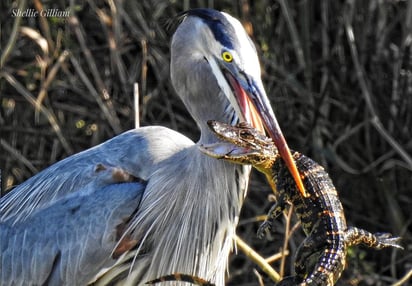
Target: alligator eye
227, 57
246, 135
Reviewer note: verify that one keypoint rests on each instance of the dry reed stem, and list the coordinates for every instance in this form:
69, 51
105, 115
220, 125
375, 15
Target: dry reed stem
48, 114
13, 35
37, 38
293, 34
16, 154
106, 104
136, 106
286, 241
50, 77
259, 277
259, 260
374, 120
44, 26
404, 280
277, 256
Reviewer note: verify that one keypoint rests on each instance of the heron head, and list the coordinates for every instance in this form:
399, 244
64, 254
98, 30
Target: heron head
215, 69
217, 44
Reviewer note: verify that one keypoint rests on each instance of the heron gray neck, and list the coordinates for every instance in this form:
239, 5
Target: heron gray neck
204, 100
195, 83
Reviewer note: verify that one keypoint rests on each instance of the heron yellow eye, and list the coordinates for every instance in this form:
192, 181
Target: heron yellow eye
227, 57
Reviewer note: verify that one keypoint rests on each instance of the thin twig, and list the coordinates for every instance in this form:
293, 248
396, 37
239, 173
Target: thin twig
277, 256
259, 260
404, 279
89, 85
293, 34
136, 106
305, 35
13, 36
106, 105
408, 23
144, 67
37, 38
49, 115
16, 154
44, 26
286, 241
50, 78
115, 38
259, 277
376, 122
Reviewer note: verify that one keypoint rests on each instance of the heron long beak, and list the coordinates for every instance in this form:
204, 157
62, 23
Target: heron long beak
247, 108
258, 111
260, 101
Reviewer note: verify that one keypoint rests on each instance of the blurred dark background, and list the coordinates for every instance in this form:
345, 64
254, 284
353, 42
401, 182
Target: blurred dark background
338, 73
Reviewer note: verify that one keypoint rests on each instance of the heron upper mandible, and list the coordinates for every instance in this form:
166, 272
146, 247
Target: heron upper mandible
83, 221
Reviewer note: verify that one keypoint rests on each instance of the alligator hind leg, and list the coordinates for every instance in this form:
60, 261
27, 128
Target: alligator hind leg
276, 210
356, 236
308, 254
320, 258
309, 270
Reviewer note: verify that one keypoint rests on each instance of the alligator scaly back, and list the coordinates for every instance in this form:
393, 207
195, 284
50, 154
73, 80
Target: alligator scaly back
321, 257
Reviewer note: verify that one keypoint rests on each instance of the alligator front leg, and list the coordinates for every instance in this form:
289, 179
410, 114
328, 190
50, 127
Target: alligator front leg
276, 210
315, 261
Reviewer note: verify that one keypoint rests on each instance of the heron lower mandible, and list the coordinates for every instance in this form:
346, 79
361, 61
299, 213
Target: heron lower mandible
147, 202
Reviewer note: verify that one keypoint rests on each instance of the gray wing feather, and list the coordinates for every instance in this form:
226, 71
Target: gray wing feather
136, 151
68, 242
57, 228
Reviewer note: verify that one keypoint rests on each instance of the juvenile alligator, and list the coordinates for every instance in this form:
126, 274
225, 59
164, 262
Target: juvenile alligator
321, 257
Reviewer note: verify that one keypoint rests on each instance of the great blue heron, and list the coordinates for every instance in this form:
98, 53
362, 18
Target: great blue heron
73, 224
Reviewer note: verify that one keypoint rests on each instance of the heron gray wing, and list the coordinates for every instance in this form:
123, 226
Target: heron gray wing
68, 242
136, 152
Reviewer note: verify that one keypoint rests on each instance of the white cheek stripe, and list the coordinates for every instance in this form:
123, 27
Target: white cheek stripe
224, 85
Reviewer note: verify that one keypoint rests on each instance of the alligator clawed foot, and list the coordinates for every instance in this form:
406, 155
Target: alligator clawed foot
264, 229
387, 240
